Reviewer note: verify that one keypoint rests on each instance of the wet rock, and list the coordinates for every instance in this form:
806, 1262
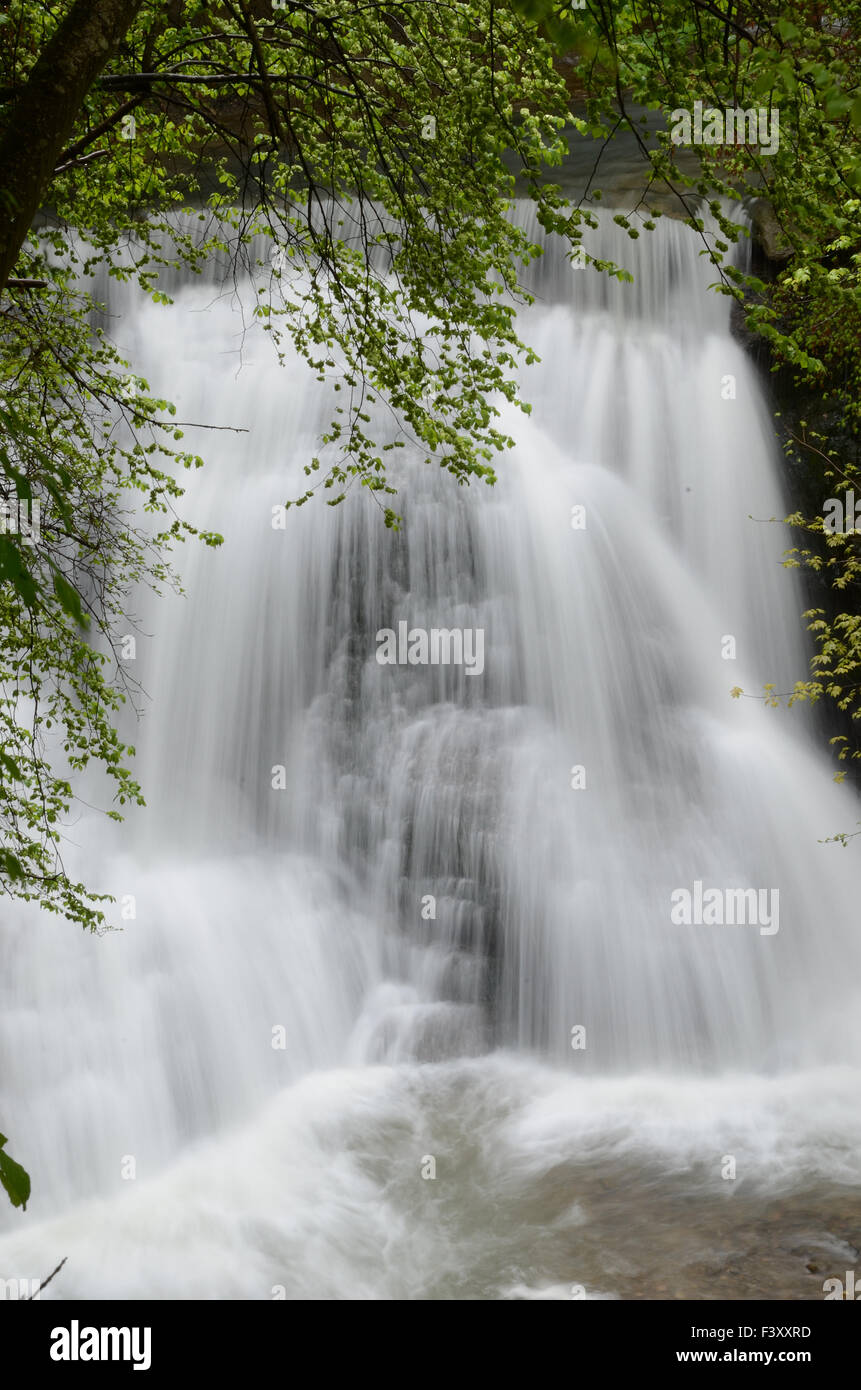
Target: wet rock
768, 232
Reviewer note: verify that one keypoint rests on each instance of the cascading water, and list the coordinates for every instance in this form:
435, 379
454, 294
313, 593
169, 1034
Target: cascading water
328, 984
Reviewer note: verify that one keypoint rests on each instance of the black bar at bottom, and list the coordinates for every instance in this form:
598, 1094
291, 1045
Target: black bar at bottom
60, 1339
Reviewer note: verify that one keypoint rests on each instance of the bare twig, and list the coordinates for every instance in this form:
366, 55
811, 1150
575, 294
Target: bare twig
84, 159
45, 1282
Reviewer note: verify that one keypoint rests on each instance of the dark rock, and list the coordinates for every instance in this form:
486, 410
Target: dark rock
769, 233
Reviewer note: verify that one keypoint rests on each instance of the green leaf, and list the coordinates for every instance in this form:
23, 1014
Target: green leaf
534, 10
13, 1177
22, 483
10, 765
787, 30
13, 569
70, 600
11, 865
837, 106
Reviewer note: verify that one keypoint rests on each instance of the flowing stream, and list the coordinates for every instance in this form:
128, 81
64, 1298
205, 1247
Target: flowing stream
415, 1021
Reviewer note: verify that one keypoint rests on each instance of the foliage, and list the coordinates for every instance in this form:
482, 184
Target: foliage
13, 1179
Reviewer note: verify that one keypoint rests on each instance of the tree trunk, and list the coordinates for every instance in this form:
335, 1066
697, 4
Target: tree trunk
44, 112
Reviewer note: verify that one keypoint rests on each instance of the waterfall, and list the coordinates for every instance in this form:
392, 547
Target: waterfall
396, 917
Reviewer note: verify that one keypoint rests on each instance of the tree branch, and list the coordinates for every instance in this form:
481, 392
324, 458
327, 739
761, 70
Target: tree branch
44, 113
76, 163
45, 1282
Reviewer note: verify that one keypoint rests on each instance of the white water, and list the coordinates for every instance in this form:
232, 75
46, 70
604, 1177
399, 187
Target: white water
405, 1038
